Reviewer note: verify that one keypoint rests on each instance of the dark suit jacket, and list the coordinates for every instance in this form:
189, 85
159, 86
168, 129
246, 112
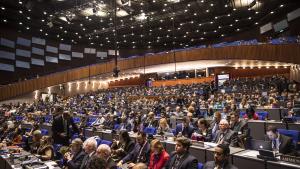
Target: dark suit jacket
133, 155
86, 161
241, 128
58, 128
153, 123
187, 132
211, 165
212, 124
207, 137
122, 151
286, 144
126, 126
111, 164
76, 161
230, 138
186, 162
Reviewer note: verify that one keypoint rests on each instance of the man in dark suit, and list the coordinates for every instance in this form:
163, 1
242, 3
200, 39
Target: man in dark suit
226, 135
240, 126
89, 146
151, 121
221, 157
75, 156
62, 128
215, 123
125, 125
185, 128
104, 152
281, 143
140, 153
181, 158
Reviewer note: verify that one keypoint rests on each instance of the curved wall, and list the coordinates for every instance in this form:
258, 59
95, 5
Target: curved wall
282, 53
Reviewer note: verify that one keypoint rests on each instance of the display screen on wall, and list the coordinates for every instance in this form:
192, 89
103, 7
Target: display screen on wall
222, 78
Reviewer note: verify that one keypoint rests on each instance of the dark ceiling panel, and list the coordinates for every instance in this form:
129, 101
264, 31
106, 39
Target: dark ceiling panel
142, 24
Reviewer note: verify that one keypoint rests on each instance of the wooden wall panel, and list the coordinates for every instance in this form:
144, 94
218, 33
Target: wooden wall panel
182, 81
283, 53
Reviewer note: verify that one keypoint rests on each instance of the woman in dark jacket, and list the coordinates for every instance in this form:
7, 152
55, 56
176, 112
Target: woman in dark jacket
203, 131
122, 147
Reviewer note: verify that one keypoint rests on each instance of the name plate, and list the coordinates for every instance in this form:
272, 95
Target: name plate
290, 159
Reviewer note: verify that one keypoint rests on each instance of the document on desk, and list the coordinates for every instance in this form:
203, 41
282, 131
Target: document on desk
250, 153
210, 144
51, 164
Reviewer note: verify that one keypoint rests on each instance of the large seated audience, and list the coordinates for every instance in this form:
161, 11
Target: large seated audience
208, 113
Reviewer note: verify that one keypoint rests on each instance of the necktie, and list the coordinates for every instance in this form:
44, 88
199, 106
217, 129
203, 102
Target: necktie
274, 145
176, 162
220, 138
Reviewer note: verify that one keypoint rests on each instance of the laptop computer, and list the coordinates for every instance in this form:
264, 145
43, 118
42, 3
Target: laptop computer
266, 155
261, 144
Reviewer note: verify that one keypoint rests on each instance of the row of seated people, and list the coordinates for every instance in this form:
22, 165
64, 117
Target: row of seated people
138, 153
261, 92
231, 125
234, 131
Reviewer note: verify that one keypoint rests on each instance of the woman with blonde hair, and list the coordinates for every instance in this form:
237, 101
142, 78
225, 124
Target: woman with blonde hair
159, 156
163, 126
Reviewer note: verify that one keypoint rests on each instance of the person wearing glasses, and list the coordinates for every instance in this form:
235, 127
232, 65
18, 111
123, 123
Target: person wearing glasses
221, 158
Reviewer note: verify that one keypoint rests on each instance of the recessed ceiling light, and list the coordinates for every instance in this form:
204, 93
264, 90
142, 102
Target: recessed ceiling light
3, 8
